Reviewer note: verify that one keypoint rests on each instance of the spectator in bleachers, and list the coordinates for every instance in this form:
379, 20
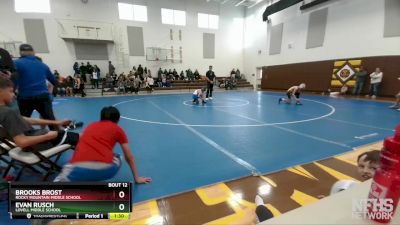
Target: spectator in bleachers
56, 74
159, 80
129, 84
121, 85
33, 93
136, 84
145, 70
238, 74
233, 73
196, 75
130, 74
159, 73
149, 84
69, 86
83, 71
134, 70
149, 73
114, 77
164, 80
145, 75
89, 67
176, 76
111, 68
121, 75
109, 81
89, 71
97, 69
95, 77
140, 71
60, 88
189, 75
182, 76
57, 89
76, 68
79, 86
170, 75
165, 72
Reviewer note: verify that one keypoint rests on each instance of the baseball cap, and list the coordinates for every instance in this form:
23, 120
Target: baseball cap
25, 47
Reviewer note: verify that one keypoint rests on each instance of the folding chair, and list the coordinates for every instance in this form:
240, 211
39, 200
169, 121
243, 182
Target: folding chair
31, 160
5, 146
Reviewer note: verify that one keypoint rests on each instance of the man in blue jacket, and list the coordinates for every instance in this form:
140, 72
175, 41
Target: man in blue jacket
33, 93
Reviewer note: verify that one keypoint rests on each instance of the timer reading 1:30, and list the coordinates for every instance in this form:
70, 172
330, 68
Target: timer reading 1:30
119, 216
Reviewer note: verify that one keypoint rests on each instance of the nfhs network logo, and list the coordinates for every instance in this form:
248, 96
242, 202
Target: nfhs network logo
373, 208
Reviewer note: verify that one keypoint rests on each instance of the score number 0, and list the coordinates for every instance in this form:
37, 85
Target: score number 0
121, 195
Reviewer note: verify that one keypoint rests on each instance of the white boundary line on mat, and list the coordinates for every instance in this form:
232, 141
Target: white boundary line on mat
333, 110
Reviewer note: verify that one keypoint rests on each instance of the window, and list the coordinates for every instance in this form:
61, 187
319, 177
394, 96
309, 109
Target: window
207, 21
202, 20
140, 13
32, 6
167, 16
132, 12
125, 11
213, 21
173, 17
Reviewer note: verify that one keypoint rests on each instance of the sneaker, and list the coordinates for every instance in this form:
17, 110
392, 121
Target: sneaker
280, 100
210, 98
398, 109
394, 106
373, 97
299, 103
206, 98
258, 200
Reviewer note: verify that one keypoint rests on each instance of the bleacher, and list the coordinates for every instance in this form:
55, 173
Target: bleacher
176, 85
240, 83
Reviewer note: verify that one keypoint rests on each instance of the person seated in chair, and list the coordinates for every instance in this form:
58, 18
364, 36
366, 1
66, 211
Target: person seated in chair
136, 84
175, 73
164, 81
233, 73
19, 129
196, 75
121, 85
238, 74
149, 83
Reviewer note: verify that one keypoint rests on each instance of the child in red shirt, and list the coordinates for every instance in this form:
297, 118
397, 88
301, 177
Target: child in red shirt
94, 159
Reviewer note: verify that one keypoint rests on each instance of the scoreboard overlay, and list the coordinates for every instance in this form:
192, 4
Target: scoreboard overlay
75, 200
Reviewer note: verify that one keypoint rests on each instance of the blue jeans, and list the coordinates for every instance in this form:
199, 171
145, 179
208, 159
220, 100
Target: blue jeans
358, 88
373, 89
89, 171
